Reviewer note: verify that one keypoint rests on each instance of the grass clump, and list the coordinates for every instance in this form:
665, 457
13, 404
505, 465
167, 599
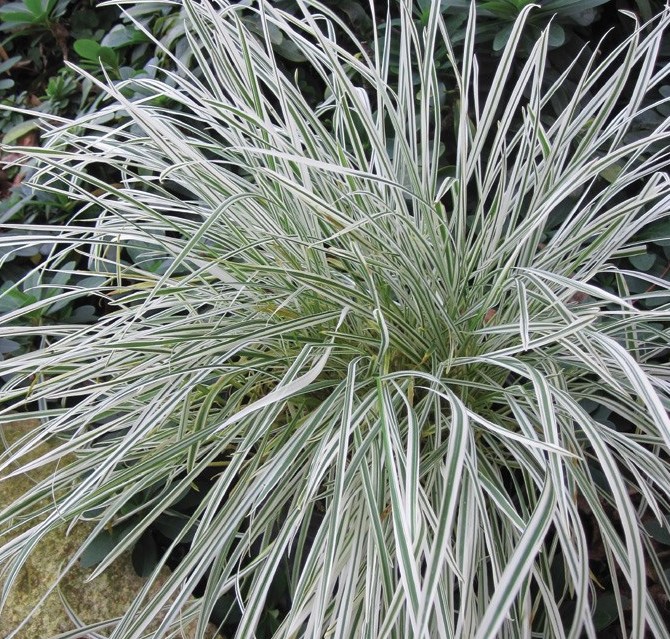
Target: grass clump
408, 387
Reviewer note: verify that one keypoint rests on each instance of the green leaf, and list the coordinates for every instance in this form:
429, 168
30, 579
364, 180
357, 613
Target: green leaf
84, 19
657, 233
8, 346
91, 51
660, 532
122, 36
97, 549
643, 262
606, 611
92, 281
145, 555
645, 9
20, 130
10, 19
173, 525
7, 64
15, 299
87, 49
501, 37
275, 34
109, 57
35, 7
556, 35
290, 51
84, 314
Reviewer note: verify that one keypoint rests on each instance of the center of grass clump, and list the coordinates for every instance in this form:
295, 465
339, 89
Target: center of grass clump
373, 361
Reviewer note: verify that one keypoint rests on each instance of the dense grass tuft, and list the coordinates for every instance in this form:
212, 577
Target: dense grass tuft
413, 383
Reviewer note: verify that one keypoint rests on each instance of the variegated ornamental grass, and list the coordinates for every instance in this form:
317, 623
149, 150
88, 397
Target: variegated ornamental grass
405, 363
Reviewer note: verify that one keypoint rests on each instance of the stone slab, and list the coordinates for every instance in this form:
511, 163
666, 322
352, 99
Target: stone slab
106, 597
